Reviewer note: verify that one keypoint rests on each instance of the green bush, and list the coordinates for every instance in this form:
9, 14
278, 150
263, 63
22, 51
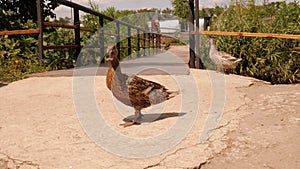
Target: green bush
18, 57
56, 59
271, 59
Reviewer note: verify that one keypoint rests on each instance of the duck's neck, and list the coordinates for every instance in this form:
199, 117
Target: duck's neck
115, 63
213, 48
114, 70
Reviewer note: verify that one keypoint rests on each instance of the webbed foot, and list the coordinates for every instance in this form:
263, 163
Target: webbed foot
127, 124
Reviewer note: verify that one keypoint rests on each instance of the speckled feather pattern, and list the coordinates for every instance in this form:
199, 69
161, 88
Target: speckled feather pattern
133, 90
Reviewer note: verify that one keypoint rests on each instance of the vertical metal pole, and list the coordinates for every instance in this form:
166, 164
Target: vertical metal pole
144, 47
40, 27
153, 44
149, 43
138, 43
159, 40
191, 34
199, 64
156, 42
71, 13
77, 32
118, 39
101, 22
129, 41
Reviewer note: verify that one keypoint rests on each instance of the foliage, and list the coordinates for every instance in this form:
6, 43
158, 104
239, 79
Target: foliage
274, 60
14, 13
207, 12
138, 18
59, 58
181, 8
18, 57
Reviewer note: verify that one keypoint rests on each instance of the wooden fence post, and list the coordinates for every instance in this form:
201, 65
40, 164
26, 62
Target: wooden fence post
40, 37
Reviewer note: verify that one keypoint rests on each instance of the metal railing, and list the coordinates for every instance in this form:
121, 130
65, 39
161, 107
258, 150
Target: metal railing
144, 38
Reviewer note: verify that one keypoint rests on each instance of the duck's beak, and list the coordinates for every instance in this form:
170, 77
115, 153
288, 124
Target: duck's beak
208, 39
111, 53
109, 57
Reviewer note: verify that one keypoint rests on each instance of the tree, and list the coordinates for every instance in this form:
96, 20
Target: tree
181, 8
14, 13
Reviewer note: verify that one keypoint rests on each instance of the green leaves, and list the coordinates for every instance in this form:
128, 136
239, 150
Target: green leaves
59, 58
270, 59
181, 8
18, 57
13, 14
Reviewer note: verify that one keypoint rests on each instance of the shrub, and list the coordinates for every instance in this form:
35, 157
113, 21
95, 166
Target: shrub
270, 59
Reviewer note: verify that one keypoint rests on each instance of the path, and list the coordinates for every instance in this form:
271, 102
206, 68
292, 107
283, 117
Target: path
174, 62
260, 127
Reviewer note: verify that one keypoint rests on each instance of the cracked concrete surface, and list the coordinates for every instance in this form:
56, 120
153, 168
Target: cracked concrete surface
259, 127
268, 131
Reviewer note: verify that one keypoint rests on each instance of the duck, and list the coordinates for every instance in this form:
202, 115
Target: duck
221, 58
133, 90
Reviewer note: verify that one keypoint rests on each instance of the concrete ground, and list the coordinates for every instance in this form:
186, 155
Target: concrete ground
42, 124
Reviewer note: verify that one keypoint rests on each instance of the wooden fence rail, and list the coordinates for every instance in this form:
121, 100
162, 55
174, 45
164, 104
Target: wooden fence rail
20, 32
59, 25
247, 34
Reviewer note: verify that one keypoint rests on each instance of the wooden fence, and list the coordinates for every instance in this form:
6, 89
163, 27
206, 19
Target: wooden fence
247, 34
20, 32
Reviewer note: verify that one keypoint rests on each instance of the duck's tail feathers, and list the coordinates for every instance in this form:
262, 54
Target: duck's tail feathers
172, 94
238, 60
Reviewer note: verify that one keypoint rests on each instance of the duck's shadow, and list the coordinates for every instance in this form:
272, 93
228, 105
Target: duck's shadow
152, 117
3, 84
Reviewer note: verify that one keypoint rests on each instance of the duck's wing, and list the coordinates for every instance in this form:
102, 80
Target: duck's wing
144, 93
226, 56
138, 84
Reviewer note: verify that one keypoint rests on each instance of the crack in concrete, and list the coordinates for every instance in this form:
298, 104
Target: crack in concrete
173, 153
4, 162
208, 140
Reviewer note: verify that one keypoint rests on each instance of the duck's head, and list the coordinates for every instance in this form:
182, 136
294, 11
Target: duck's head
211, 41
112, 54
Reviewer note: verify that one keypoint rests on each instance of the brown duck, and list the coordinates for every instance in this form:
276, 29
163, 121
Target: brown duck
133, 90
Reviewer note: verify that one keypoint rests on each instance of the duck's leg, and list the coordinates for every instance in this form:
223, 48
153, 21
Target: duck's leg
217, 69
228, 71
137, 114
